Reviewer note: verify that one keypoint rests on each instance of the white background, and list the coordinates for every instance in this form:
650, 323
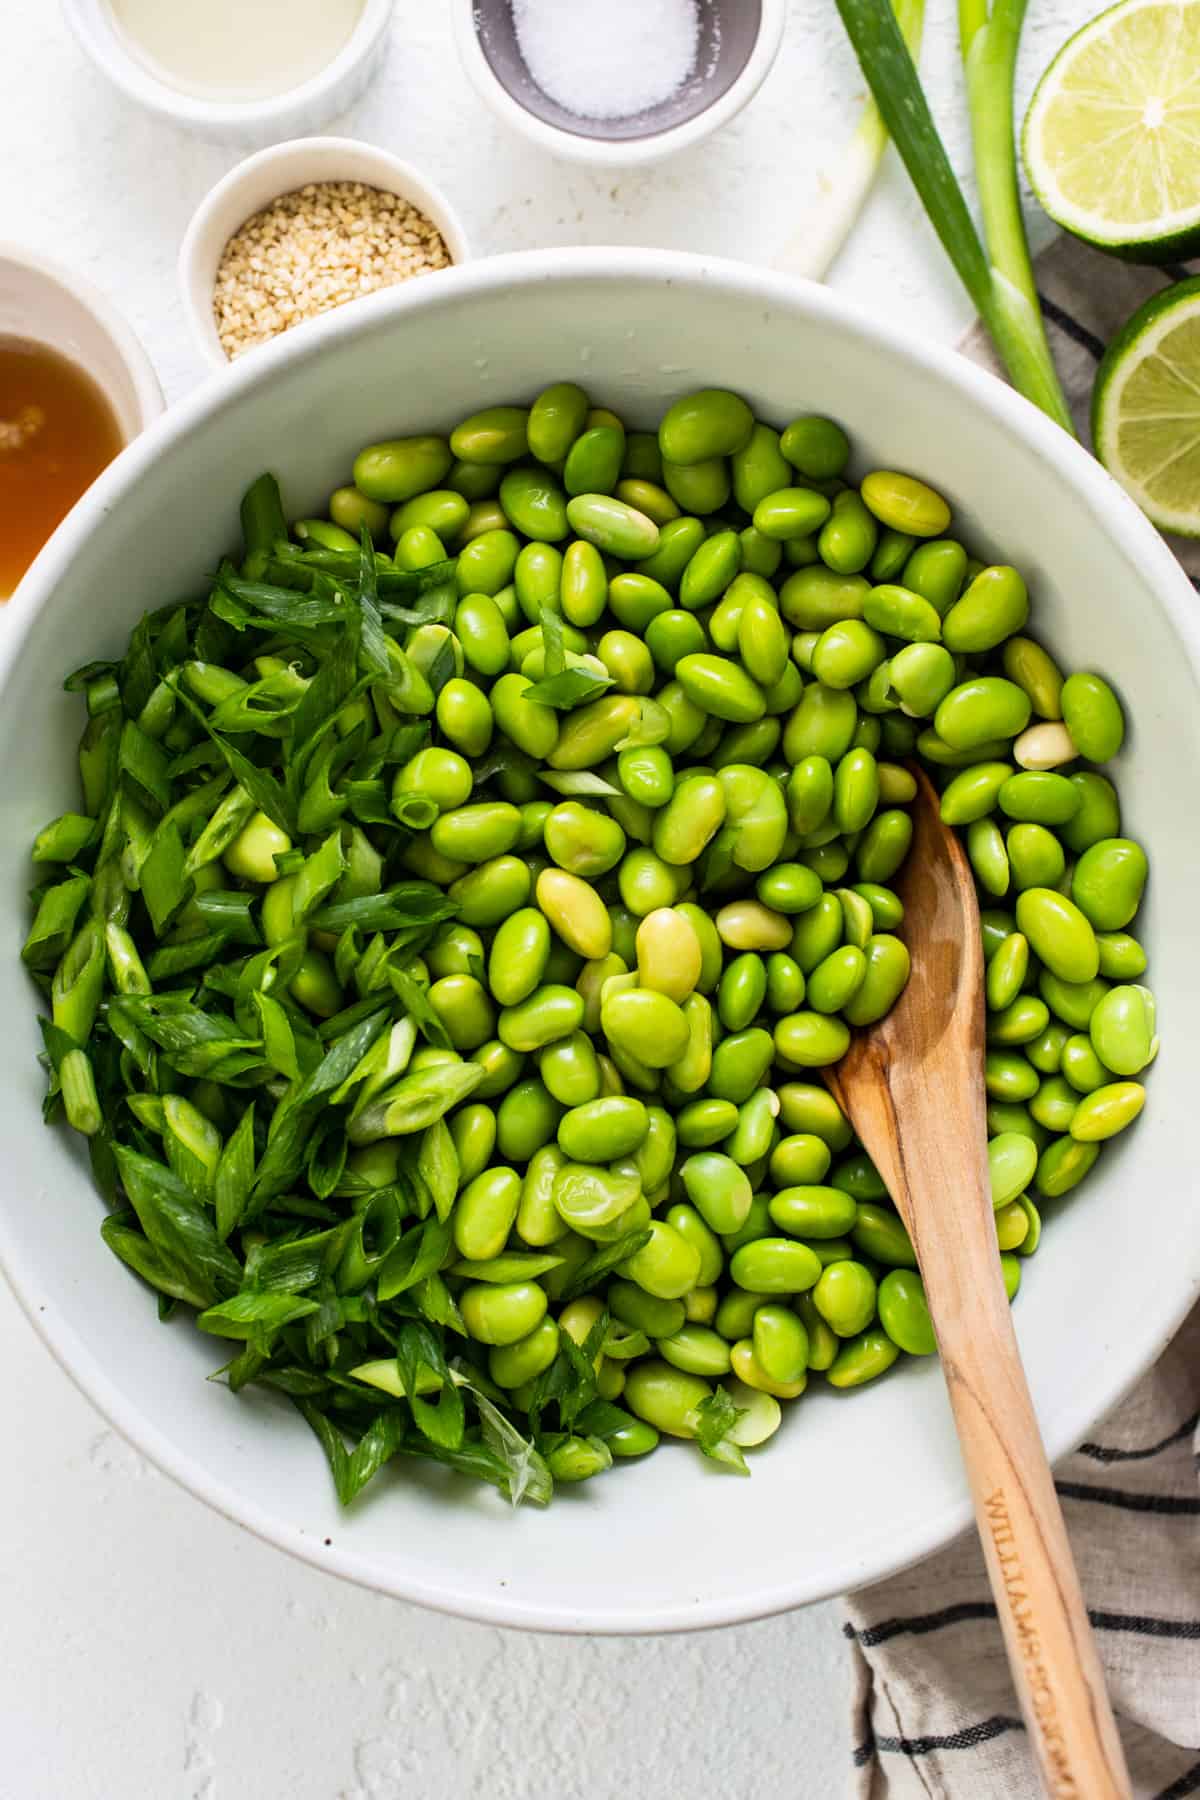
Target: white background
150, 1648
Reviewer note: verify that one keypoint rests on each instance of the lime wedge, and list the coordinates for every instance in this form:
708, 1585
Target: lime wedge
1146, 408
1112, 136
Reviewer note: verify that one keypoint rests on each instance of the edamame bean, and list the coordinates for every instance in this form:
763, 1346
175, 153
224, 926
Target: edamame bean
484, 1214
711, 422
612, 526
555, 420
688, 1223
862, 1359
884, 845
1034, 669
668, 1266
698, 1350
811, 1210
502, 1313
1080, 1065
1096, 814
780, 1343
905, 504
538, 1220
811, 1040
1035, 857
549, 1013
1059, 934
879, 1234
1092, 714
802, 1158
904, 1312
1106, 1111
994, 606
1108, 882
1063, 1165
758, 467
666, 1398
817, 447
718, 1189
981, 711
633, 1306
1121, 1030
1121, 956
1039, 797
497, 435
703, 1123
774, 1265
396, 470
1054, 1104
589, 1197
593, 463
845, 1297
644, 1025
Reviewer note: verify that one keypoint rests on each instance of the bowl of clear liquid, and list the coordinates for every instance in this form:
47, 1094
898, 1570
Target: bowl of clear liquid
245, 71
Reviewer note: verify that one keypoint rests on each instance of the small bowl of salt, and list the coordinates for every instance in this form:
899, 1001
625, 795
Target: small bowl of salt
617, 82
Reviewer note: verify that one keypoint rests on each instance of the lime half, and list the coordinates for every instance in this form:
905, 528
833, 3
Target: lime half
1112, 136
1146, 408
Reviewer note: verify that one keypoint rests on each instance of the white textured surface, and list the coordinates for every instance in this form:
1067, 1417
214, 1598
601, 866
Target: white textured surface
152, 1649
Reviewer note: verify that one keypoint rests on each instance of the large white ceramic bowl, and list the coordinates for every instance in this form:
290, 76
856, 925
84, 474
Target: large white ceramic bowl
854, 1485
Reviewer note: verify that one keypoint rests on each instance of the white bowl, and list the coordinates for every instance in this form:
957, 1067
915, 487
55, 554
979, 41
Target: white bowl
730, 74
245, 122
43, 301
282, 169
854, 1485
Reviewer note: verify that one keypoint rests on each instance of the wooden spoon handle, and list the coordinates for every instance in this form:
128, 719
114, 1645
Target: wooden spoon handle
1051, 1649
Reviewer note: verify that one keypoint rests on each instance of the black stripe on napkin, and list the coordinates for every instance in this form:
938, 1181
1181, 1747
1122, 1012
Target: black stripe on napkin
1180, 1505
1188, 1783
1070, 327
1106, 1453
920, 1623
1187, 1630
865, 1752
969, 1738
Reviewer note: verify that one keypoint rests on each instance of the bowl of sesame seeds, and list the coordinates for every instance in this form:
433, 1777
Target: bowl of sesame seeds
304, 227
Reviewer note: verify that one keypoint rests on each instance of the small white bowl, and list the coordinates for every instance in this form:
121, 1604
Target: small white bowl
282, 169
245, 122
739, 41
47, 304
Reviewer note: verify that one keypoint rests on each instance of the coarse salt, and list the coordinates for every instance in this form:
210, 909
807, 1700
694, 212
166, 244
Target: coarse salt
608, 59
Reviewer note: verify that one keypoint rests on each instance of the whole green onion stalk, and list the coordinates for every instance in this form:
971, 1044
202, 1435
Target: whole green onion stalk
999, 279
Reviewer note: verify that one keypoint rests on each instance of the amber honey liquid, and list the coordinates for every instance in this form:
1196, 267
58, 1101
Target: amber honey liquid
57, 431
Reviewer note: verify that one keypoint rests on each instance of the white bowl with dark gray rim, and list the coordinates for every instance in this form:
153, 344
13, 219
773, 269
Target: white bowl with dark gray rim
737, 44
854, 1485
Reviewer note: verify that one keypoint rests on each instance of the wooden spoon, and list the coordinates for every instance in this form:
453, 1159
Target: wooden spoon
912, 1086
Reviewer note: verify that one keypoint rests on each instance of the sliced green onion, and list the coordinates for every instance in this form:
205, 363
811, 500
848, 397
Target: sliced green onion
64, 838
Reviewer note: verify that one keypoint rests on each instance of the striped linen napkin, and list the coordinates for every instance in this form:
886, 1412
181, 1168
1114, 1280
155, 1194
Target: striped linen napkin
935, 1712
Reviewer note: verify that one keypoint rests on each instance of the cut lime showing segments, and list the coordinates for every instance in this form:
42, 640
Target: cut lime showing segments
1146, 408
1112, 136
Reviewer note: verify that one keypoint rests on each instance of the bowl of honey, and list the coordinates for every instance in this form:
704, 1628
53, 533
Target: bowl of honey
75, 388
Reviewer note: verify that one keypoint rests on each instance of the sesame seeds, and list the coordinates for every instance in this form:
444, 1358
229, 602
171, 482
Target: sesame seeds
312, 250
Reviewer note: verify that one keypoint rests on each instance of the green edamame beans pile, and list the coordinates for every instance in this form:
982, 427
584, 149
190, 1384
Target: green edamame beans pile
468, 892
